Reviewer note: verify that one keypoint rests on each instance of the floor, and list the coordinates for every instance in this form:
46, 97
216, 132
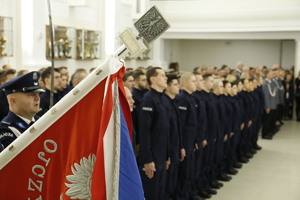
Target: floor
273, 173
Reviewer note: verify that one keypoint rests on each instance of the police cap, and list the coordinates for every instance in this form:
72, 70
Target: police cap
26, 83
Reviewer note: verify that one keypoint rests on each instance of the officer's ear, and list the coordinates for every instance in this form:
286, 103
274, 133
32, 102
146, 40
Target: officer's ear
11, 99
153, 79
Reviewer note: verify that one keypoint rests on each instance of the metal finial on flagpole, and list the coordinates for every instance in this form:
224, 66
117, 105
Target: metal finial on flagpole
52, 54
150, 26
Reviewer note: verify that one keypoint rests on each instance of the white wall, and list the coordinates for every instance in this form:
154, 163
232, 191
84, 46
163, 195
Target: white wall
192, 53
288, 54
231, 14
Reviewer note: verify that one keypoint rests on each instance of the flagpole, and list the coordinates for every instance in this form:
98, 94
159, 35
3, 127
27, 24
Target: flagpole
52, 54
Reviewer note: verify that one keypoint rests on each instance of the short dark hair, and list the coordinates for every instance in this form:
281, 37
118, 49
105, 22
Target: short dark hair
223, 66
2, 77
5, 72
205, 76
46, 73
243, 80
171, 77
237, 81
136, 74
225, 82
9, 71
195, 69
250, 79
126, 75
151, 73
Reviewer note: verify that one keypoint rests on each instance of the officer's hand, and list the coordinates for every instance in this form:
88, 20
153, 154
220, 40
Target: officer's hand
168, 162
225, 138
204, 143
268, 110
150, 169
182, 154
242, 126
196, 147
249, 123
231, 134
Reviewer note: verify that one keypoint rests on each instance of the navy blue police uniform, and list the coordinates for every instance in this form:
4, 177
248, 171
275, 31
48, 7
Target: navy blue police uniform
212, 134
200, 178
256, 116
228, 118
137, 96
188, 124
12, 126
247, 116
45, 101
154, 143
175, 139
236, 128
219, 144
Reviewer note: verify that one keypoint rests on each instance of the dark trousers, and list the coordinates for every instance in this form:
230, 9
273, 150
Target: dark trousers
154, 188
219, 156
205, 166
228, 145
256, 128
235, 139
288, 111
185, 177
171, 180
242, 146
199, 175
279, 112
268, 125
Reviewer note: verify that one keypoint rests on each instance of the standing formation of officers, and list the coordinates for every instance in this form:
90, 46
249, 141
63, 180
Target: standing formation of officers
189, 132
194, 131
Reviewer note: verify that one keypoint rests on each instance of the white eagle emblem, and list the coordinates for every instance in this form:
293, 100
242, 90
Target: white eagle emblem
80, 180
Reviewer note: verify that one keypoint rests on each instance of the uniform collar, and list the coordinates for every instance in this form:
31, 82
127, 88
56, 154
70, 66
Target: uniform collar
155, 91
268, 80
25, 119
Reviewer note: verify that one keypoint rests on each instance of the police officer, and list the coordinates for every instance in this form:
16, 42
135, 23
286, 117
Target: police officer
153, 128
24, 102
188, 121
139, 90
45, 97
200, 163
269, 90
211, 130
177, 152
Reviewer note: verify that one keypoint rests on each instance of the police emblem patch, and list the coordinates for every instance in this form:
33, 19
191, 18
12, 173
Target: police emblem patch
21, 125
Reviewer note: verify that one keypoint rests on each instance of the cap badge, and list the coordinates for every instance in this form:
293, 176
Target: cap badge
34, 76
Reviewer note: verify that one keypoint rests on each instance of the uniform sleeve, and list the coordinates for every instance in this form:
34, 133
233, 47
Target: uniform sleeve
182, 106
6, 137
145, 116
